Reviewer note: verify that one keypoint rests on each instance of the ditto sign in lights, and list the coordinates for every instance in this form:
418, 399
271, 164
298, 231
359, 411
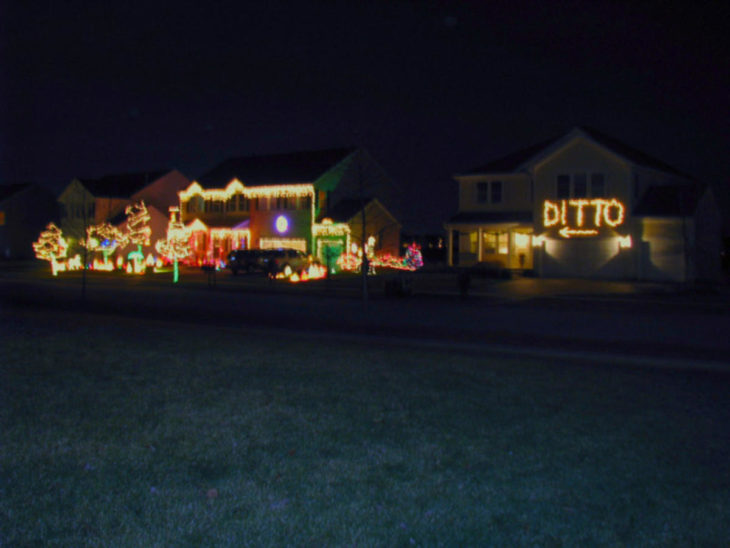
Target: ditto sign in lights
281, 224
582, 217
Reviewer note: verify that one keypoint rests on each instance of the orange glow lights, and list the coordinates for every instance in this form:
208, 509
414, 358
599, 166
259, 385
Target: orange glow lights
610, 213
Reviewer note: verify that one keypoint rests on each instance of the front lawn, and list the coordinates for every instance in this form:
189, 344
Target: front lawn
122, 433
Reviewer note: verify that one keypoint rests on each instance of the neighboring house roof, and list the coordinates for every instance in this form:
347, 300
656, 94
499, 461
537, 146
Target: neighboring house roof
346, 209
121, 186
516, 160
293, 167
669, 201
6, 191
491, 217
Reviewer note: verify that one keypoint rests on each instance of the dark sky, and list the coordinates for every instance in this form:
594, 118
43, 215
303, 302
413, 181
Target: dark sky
429, 88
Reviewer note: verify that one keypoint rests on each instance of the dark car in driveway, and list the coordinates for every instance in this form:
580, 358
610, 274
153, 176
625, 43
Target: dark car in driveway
245, 260
285, 261
271, 261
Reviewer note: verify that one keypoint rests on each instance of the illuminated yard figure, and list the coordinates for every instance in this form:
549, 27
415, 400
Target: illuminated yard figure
138, 232
105, 238
414, 258
176, 246
51, 246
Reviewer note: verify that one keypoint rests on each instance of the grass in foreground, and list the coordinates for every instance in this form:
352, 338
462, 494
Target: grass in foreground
118, 433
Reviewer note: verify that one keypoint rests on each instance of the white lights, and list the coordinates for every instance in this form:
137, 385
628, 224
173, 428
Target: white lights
611, 212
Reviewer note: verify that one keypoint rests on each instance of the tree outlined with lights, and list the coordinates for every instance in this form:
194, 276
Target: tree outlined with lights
51, 246
175, 246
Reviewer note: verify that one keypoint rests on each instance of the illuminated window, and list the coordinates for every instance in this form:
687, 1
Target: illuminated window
495, 243
473, 242
598, 185
482, 192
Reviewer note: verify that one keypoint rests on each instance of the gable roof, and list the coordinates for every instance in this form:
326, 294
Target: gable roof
6, 191
516, 160
669, 201
346, 209
292, 167
122, 185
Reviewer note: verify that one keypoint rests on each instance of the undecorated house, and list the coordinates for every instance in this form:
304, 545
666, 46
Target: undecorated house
586, 205
86, 202
25, 210
293, 200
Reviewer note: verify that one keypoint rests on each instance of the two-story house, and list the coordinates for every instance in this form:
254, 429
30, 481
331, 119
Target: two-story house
89, 201
586, 205
288, 201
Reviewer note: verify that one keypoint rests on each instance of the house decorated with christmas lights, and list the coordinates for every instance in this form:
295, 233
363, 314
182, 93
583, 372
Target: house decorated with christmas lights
86, 202
294, 200
586, 205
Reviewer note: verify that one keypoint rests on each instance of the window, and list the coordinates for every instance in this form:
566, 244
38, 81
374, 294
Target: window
598, 185
563, 186
495, 243
576, 185
489, 192
482, 192
496, 195
243, 203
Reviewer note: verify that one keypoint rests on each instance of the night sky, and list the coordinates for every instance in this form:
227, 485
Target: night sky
429, 88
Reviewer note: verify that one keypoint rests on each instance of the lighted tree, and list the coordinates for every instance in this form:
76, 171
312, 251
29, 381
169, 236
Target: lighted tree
413, 258
175, 246
105, 238
138, 232
51, 246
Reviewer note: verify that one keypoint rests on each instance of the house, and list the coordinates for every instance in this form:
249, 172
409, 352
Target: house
25, 210
586, 205
86, 201
289, 200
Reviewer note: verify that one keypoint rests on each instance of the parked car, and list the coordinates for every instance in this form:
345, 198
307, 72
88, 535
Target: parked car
271, 261
245, 260
285, 261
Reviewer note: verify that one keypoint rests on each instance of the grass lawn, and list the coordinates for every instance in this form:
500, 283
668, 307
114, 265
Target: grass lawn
122, 433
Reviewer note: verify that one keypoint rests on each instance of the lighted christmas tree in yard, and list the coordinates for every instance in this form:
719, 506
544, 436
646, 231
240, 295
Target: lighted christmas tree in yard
138, 232
413, 258
51, 246
176, 246
105, 238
